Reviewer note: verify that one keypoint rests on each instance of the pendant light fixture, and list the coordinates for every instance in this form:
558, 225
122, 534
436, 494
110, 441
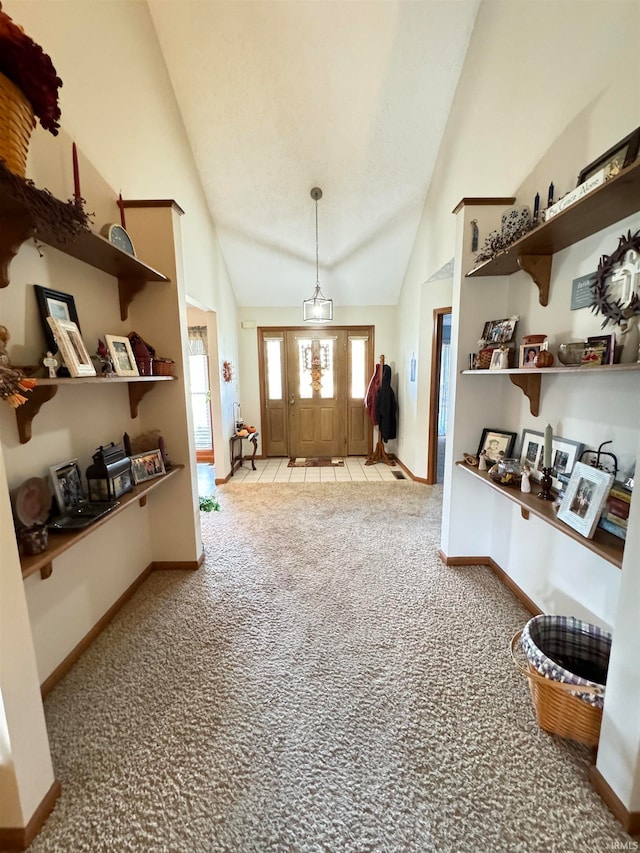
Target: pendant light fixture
318, 309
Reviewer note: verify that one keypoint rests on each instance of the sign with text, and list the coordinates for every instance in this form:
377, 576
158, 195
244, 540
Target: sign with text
582, 291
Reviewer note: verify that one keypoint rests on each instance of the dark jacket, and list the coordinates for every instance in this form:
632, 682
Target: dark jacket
386, 407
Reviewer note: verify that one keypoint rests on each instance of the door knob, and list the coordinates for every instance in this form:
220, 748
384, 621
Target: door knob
291, 400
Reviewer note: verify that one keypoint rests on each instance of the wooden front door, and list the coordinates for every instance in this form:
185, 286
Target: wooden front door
316, 391
312, 387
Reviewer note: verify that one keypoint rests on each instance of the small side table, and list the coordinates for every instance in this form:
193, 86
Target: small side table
236, 453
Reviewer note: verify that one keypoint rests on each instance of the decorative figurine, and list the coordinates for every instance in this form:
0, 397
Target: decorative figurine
482, 461
525, 484
51, 364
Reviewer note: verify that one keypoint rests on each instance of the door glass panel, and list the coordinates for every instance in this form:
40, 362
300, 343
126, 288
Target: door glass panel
326, 351
273, 347
201, 410
358, 367
305, 361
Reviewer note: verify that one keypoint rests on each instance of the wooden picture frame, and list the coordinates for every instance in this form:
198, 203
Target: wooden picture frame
147, 465
565, 453
54, 303
124, 362
585, 498
72, 348
499, 331
495, 441
618, 157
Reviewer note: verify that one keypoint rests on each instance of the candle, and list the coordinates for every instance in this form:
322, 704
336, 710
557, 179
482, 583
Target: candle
76, 173
548, 438
536, 206
550, 199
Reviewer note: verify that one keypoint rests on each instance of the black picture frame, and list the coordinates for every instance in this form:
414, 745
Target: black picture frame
623, 152
49, 305
505, 441
609, 343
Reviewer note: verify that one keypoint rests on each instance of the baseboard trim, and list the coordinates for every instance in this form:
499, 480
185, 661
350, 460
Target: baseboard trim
499, 572
183, 565
19, 838
74, 655
630, 820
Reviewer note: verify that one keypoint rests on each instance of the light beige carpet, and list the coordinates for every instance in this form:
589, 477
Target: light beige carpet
324, 683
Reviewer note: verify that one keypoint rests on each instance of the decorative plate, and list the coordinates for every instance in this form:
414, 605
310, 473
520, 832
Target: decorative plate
32, 501
118, 236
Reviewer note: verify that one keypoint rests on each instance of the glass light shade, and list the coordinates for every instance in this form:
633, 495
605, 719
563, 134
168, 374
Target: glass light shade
318, 309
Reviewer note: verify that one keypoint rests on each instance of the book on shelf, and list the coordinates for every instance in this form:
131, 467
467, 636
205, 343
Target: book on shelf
611, 527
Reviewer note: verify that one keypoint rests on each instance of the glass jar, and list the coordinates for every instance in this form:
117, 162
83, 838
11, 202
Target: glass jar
507, 472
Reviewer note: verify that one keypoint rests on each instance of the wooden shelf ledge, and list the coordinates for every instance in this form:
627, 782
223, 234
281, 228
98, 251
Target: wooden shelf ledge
61, 542
46, 389
604, 544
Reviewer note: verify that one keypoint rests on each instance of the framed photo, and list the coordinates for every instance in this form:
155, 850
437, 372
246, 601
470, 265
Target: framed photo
494, 442
585, 498
124, 362
528, 353
608, 342
74, 352
496, 359
564, 455
67, 485
615, 159
54, 303
499, 331
147, 465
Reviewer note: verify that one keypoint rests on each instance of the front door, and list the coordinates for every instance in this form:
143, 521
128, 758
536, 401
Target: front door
316, 388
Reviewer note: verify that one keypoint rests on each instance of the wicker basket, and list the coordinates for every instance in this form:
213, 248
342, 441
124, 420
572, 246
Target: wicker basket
16, 125
558, 710
163, 367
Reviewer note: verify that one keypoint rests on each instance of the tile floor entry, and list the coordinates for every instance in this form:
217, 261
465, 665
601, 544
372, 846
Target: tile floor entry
277, 471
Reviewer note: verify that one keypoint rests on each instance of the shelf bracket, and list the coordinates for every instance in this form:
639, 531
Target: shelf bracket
128, 288
14, 230
47, 570
137, 390
529, 383
36, 398
524, 513
539, 268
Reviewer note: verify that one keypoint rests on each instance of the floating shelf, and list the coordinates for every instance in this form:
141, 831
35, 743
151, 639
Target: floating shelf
61, 542
614, 200
529, 379
46, 389
604, 544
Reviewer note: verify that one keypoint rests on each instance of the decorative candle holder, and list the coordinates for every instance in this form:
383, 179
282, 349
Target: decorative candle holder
545, 483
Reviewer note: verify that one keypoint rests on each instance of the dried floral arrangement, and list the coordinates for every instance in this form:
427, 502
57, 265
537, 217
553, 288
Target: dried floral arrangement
63, 220
27, 66
498, 241
12, 386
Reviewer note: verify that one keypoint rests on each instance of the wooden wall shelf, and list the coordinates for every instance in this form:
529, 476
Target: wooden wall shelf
16, 227
604, 206
604, 544
61, 542
46, 389
529, 379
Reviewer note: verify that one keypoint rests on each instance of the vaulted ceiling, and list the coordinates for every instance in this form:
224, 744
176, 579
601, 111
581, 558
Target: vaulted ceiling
279, 96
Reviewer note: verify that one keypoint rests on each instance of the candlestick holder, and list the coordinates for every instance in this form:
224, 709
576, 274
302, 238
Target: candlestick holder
545, 484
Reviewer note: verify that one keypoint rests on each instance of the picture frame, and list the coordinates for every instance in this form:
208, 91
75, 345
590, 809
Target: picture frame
618, 157
124, 362
496, 359
585, 498
72, 348
54, 303
565, 453
66, 480
499, 331
528, 353
495, 441
609, 343
147, 465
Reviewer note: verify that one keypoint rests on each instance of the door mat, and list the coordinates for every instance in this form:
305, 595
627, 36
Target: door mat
316, 462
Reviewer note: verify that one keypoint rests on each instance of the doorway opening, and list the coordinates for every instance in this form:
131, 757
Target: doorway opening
200, 394
439, 397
